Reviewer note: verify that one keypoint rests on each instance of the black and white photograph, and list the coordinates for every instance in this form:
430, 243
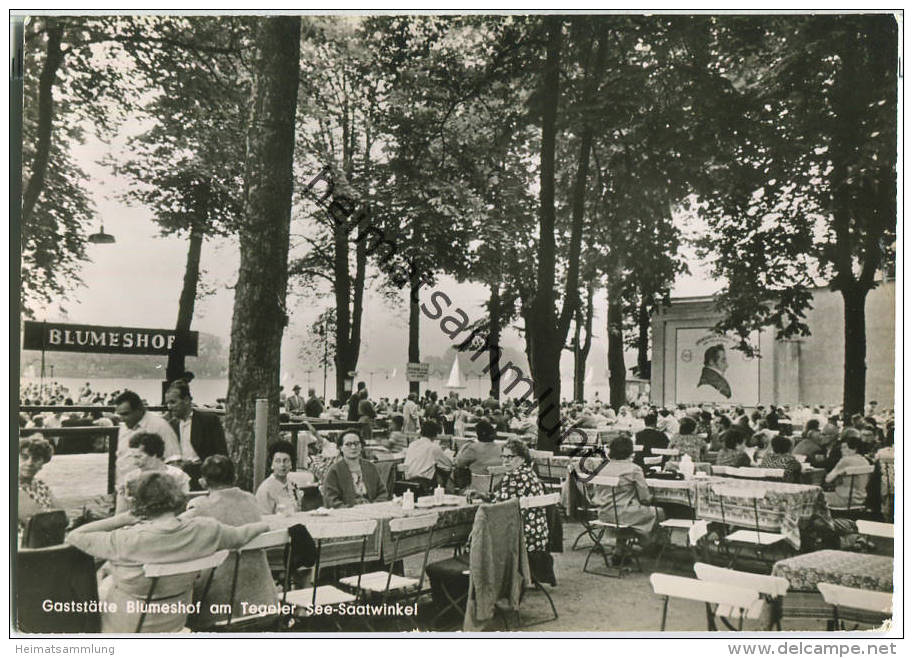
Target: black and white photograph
457, 324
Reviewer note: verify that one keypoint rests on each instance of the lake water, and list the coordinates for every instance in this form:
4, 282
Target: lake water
207, 391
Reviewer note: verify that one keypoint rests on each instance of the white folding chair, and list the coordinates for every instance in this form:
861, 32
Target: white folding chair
625, 537
386, 583
881, 535
307, 599
653, 462
756, 539
859, 477
666, 452
740, 602
677, 527
756, 473
875, 529
273, 539
156, 571
857, 605
772, 588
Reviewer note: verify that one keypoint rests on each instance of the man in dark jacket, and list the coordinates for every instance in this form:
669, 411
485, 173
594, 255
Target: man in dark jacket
354, 399
200, 432
313, 407
649, 438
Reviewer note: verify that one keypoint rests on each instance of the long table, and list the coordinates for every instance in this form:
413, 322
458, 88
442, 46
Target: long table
857, 570
454, 524
780, 510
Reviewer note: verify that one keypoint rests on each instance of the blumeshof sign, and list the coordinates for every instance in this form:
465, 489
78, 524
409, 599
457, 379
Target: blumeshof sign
58, 337
417, 372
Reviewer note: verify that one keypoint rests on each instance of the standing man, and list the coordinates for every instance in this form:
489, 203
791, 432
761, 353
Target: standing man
201, 434
355, 398
410, 415
134, 418
294, 405
313, 407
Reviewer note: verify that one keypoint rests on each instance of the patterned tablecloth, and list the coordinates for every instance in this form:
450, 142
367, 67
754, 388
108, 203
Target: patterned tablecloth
783, 505
858, 570
454, 524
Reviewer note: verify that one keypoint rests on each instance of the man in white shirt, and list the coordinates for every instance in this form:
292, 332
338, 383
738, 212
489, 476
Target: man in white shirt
134, 418
425, 460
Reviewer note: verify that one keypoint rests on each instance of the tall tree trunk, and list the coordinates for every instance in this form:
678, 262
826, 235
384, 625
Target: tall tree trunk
414, 353
259, 316
53, 60
176, 363
643, 339
582, 351
494, 339
579, 363
342, 287
541, 324
616, 357
854, 350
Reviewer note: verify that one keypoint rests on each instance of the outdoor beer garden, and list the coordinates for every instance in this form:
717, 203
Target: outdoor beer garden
478, 234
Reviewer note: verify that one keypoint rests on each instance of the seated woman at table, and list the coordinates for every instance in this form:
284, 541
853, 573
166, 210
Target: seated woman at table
277, 494
850, 458
34, 495
733, 453
230, 505
397, 441
779, 457
520, 480
145, 455
352, 480
632, 497
152, 533
686, 441
477, 456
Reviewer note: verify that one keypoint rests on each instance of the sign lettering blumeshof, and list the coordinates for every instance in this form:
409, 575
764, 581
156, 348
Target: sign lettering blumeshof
417, 372
58, 337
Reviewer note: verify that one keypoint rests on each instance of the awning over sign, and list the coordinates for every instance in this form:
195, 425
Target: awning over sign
96, 339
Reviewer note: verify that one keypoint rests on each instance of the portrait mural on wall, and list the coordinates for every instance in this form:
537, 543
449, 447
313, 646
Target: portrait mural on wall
708, 368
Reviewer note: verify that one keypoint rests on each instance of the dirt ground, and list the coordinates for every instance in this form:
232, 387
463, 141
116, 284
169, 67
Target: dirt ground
585, 602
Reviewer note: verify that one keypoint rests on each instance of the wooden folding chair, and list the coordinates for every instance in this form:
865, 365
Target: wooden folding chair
771, 588
273, 539
731, 600
534, 502
625, 537
857, 605
386, 584
859, 476
673, 527
156, 571
306, 600
546, 471
881, 534
756, 539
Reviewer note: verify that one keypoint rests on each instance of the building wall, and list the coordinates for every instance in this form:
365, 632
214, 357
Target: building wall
807, 370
